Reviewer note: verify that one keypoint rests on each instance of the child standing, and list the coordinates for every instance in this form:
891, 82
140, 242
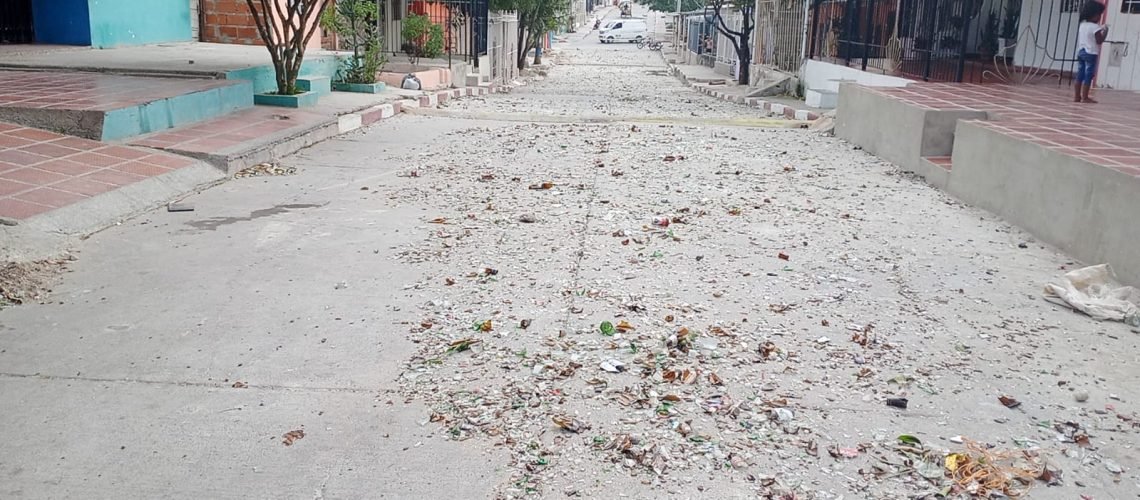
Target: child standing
1090, 34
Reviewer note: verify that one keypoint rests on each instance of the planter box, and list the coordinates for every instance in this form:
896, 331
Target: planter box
302, 100
361, 88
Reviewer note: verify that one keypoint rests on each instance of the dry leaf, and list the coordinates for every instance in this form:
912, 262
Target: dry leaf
292, 436
239, 385
569, 423
1009, 402
624, 326
438, 220
715, 379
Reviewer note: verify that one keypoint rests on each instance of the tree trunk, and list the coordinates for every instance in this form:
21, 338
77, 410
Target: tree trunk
520, 58
744, 55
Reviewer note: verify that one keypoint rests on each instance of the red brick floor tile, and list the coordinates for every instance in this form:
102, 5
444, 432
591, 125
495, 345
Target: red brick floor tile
4, 127
66, 167
96, 159
32, 175
84, 186
49, 150
5, 166
78, 143
9, 187
51, 197
22, 158
140, 168
18, 209
9, 141
33, 134
114, 177
122, 152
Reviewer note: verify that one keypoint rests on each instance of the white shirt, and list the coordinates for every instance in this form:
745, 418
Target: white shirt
1086, 37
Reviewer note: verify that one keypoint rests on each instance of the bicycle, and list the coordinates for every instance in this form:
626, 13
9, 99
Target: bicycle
653, 44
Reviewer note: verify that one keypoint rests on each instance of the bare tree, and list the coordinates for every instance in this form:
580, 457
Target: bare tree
740, 39
286, 26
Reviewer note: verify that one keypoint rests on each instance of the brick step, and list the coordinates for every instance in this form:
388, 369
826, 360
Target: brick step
942, 162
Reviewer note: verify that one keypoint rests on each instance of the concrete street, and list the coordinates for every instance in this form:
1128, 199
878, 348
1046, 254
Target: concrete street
425, 299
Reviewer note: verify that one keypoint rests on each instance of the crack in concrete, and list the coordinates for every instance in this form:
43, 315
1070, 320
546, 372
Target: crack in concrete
208, 385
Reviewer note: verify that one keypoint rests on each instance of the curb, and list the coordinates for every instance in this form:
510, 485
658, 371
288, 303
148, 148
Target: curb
752, 102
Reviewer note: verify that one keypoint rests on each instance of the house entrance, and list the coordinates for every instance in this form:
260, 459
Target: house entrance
16, 21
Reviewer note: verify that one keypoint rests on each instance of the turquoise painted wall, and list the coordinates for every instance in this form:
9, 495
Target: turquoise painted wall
117, 23
265, 80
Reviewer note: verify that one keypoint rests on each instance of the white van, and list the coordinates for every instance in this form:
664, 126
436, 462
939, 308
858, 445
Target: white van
626, 30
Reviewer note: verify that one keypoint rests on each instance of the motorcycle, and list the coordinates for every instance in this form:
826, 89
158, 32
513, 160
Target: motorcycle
651, 43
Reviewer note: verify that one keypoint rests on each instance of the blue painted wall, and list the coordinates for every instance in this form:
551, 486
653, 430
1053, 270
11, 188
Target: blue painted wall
63, 22
116, 23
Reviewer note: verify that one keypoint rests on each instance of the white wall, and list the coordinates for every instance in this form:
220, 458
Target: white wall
819, 75
1042, 45
1122, 28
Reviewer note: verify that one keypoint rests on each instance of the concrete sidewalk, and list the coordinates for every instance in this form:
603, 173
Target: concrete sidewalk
706, 81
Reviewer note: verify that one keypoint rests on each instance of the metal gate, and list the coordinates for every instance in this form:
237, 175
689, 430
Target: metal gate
16, 21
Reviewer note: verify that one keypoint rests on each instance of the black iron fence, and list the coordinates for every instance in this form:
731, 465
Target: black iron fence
464, 24
946, 40
16, 21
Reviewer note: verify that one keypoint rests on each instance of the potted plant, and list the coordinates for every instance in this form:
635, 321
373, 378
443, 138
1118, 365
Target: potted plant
286, 31
357, 21
1010, 26
422, 38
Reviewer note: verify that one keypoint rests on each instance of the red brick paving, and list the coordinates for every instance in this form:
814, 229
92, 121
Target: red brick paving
235, 129
1104, 133
41, 171
90, 91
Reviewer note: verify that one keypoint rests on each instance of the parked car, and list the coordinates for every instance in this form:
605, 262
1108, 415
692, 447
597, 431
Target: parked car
626, 30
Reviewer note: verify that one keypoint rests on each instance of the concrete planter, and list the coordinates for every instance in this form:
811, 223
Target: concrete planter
361, 88
302, 100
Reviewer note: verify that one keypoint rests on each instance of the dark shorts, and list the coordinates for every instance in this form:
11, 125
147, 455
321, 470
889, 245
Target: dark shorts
1086, 67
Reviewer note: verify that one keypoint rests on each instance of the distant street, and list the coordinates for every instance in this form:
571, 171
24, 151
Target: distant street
600, 285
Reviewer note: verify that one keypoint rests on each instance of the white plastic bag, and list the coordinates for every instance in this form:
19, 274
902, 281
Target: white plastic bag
1094, 291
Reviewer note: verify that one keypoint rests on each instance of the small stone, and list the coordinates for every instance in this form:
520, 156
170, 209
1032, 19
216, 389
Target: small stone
1113, 467
782, 415
1022, 245
956, 440
1114, 397
527, 219
1081, 396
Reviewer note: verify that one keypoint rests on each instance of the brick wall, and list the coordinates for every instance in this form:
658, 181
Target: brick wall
228, 21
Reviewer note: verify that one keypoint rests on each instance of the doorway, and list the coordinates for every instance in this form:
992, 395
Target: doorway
16, 24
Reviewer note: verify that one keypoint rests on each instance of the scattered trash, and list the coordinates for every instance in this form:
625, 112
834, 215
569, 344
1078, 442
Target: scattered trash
607, 328
783, 256
782, 415
524, 324
239, 385
613, 366
543, 186
900, 403
292, 436
483, 326
568, 423
1094, 291
1009, 402
461, 345
179, 207
265, 169
624, 326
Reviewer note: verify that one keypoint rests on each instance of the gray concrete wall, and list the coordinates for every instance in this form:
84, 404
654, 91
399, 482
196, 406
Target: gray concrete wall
882, 126
1086, 210
896, 131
